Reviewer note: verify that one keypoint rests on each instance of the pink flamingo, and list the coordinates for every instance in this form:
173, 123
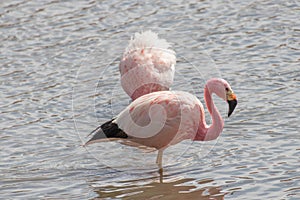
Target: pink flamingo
147, 65
165, 118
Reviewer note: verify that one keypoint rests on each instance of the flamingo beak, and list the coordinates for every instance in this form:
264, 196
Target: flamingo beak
232, 102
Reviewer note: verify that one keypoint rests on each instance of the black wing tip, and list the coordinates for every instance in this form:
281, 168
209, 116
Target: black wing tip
107, 130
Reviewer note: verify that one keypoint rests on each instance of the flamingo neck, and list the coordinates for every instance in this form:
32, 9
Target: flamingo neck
212, 131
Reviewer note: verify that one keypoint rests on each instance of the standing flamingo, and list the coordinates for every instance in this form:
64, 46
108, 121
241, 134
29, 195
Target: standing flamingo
148, 65
165, 118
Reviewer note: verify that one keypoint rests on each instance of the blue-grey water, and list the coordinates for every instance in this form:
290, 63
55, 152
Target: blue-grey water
59, 79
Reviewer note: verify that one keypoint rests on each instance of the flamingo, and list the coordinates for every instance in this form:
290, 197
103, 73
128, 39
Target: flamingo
148, 65
164, 118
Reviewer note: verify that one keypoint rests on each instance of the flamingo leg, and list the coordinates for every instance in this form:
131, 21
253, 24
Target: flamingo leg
159, 159
159, 164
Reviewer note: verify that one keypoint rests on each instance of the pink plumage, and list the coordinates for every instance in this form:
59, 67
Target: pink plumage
165, 118
148, 65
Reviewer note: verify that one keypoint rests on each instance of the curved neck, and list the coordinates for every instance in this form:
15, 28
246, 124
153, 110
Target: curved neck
214, 130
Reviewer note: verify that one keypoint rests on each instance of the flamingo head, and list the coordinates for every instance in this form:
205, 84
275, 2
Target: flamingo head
222, 89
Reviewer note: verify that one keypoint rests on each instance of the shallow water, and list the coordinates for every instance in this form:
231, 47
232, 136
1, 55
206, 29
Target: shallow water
59, 79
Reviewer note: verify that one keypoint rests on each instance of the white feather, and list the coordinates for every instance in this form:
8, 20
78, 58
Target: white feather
147, 39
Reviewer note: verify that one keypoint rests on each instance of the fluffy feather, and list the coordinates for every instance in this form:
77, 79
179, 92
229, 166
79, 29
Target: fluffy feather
147, 39
147, 65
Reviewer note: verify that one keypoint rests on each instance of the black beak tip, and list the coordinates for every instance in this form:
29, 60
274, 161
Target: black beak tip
232, 104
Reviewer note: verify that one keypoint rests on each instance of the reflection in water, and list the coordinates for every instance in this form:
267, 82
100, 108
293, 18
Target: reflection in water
169, 189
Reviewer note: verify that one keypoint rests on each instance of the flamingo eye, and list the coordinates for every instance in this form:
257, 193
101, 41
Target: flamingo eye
227, 89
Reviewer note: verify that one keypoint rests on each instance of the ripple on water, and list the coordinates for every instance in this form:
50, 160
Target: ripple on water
59, 64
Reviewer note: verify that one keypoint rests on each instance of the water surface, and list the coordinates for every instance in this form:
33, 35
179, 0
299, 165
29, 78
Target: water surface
59, 79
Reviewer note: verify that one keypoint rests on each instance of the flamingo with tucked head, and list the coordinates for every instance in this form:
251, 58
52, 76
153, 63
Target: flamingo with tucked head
148, 65
165, 118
